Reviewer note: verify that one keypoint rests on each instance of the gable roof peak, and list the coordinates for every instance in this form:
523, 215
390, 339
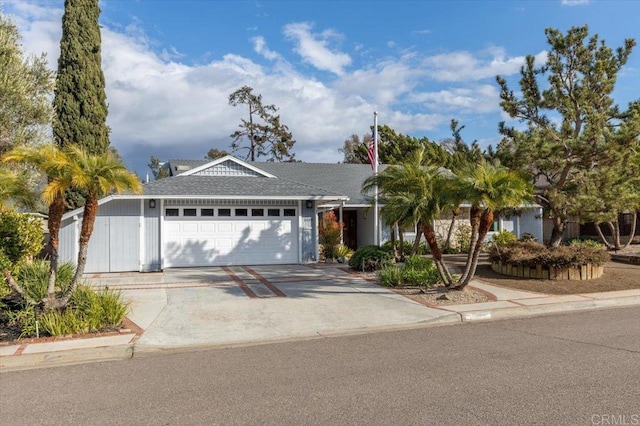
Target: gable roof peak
221, 160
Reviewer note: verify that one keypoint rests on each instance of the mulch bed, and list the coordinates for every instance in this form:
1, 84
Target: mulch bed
439, 296
617, 276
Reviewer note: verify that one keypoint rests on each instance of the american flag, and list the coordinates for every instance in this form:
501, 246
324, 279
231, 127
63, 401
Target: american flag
371, 150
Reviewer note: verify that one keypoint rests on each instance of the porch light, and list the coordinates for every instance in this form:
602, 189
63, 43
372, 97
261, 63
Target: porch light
152, 204
308, 204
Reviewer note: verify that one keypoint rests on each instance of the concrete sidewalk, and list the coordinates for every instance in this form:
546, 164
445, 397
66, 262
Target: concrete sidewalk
185, 309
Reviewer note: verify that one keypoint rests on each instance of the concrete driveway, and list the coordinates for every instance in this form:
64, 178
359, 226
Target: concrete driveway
232, 305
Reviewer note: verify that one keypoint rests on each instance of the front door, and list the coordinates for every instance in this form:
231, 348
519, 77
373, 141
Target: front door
350, 219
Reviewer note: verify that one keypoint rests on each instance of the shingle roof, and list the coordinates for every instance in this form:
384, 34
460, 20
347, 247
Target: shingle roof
345, 179
234, 186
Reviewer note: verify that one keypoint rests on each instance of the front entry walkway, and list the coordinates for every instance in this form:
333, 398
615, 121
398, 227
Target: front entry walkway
231, 305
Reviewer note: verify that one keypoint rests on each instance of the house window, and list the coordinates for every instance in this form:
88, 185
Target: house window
495, 226
241, 212
273, 212
172, 212
189, 212
289, 212
206, 212
257, 212
224, 212
409, 227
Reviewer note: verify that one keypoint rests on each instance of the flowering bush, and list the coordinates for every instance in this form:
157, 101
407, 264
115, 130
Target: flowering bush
329, 234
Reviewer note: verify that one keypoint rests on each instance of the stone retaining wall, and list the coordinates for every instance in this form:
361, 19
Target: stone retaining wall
584, 272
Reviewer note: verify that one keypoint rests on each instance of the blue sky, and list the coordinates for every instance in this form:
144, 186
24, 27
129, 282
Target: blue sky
170, 65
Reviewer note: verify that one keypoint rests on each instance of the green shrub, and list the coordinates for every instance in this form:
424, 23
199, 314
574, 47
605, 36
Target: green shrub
65, 323
585, 242
343, 252
24, 319
418, 262
370, 258
504, 238
424, 248
21, 235
422, 278
416, 271
33, 276
87, 311
462, 237
391, 276
405, 250
532, 254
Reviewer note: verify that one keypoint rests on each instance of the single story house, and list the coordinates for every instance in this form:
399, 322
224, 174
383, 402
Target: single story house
232, 212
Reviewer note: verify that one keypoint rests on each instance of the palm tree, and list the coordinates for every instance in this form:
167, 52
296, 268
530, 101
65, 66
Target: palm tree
72, 167
395, 215
489, 187
417, 190
15, 189
423, 191
52, 162
97, 176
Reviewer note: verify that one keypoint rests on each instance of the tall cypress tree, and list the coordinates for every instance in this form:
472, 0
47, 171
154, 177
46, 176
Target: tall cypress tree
80, 100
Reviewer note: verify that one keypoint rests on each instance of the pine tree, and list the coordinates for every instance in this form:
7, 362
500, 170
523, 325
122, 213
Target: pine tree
80, 100
267, 137
568, 107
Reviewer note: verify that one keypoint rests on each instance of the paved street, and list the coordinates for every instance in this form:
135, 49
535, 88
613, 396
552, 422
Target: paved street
563, 369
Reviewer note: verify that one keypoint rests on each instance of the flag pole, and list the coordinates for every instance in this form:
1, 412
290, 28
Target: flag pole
376, 232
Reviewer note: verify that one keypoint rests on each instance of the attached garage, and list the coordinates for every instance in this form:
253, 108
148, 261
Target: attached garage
225, 212
238, 235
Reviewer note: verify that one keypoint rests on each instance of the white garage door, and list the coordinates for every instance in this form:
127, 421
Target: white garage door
230, 236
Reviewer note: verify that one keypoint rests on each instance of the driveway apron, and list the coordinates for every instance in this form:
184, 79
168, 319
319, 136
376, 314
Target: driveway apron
233, 305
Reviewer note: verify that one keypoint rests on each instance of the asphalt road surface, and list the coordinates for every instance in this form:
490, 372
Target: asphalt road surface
579, 368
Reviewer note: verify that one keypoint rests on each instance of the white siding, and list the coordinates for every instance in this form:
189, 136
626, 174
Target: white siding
531, 222
151, 260
67, 251
115, 242
365, 226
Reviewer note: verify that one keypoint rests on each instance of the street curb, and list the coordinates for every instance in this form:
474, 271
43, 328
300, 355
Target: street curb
25, 361
534, 310
65, 357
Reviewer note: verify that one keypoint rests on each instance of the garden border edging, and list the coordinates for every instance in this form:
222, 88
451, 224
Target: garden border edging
581, 273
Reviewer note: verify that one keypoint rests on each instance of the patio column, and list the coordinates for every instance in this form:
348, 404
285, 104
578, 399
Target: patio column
340, 221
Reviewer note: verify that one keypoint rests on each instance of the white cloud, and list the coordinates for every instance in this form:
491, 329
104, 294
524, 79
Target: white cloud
313, 47
160, 105
477, 99
40, 29
260, 46
465, 66
575, 2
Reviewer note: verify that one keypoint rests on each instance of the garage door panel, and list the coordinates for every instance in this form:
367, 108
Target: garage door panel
222, 241
172, 227
225, 226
